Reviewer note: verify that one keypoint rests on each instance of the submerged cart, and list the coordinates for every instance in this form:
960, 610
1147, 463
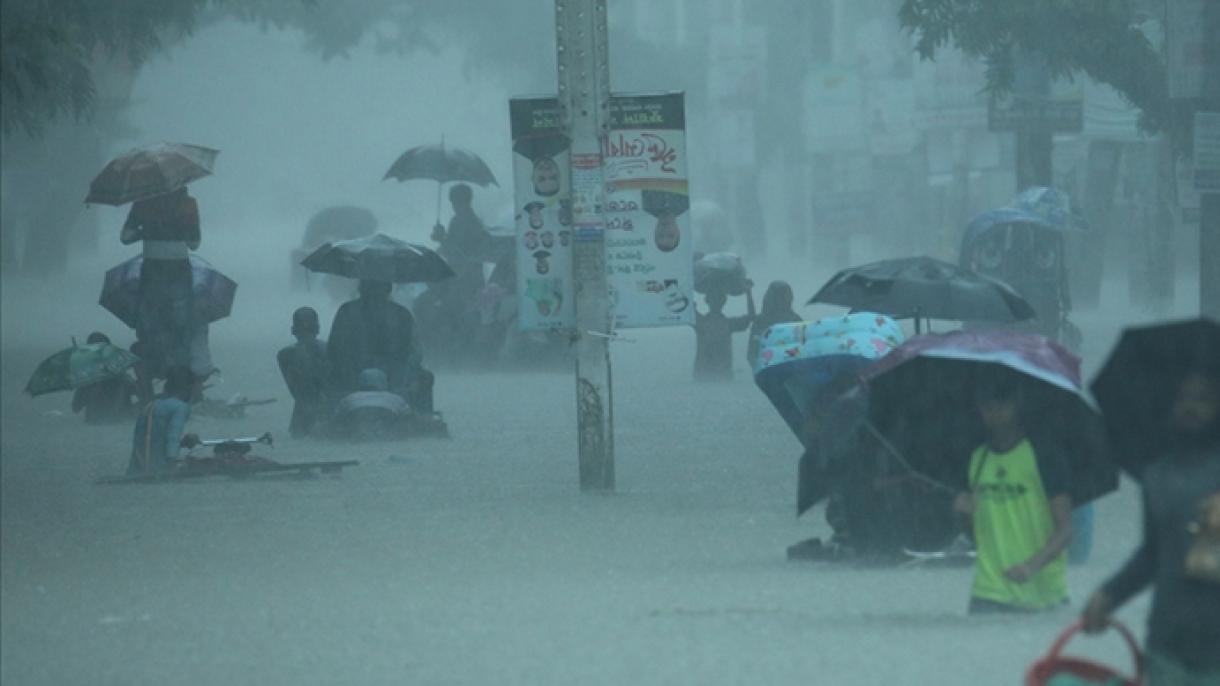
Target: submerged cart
232, 458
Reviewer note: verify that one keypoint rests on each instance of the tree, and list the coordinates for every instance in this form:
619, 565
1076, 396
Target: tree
59, 59
1096, 37
48, 48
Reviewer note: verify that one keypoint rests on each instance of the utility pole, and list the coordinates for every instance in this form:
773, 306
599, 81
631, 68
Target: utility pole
584, 101
1209, 206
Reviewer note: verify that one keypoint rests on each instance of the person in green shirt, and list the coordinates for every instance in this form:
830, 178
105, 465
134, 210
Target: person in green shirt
1020, 508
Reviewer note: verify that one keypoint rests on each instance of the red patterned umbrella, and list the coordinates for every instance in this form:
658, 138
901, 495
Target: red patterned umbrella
147, 172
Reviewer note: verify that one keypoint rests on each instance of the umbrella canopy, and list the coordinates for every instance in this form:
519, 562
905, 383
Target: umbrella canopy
1137, 386
921, 399
147, 172
379, 258
441, 163
212, 292
988, 220
80, 365
1051, 205
803, 369
924, 287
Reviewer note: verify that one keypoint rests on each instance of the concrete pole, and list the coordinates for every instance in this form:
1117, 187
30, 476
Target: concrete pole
584, 101
1209, 208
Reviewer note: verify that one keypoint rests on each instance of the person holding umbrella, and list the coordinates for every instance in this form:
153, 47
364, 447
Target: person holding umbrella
466, 237
165, 218
108, 400
464, 246
1160, 394
374, 332
168, 227
1021, 509
997, 420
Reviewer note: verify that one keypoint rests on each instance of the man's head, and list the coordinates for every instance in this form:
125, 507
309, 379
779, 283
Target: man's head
178, 383
778, 298
97, 337
667, 235
998, 399
545, 177
305, 323
1195, 413
375, 290
716, 301
461, 196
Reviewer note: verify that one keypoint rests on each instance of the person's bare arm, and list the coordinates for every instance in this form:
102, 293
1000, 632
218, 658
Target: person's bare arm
1061, 511
194, 236
132, 230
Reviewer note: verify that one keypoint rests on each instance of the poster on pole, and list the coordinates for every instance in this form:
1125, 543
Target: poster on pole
648, 234
647, 219
543, 211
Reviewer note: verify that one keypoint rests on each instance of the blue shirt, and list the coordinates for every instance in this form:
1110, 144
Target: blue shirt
159, 445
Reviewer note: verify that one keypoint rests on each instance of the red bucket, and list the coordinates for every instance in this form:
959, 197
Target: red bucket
1055, 668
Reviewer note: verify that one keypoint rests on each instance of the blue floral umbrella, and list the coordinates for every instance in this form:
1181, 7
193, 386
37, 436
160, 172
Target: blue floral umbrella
806, 370
213, 292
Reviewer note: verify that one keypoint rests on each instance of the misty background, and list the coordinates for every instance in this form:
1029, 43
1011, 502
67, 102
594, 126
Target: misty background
818, 139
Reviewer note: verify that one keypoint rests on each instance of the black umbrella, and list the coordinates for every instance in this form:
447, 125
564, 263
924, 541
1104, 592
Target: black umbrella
921, 406
379, 258
443, 164
923, 287
1137, 386
147, 172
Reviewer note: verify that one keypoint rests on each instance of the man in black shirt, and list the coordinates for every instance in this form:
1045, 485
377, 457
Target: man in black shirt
374, 332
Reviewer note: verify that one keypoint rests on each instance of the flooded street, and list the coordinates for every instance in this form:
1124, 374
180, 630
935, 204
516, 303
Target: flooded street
475, 559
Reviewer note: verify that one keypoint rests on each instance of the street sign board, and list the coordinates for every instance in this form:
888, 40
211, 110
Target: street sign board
1035, 113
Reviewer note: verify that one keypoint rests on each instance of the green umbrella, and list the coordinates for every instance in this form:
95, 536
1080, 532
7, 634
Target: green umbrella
79, 366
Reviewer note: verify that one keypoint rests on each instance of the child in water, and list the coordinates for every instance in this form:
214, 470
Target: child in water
1021, 510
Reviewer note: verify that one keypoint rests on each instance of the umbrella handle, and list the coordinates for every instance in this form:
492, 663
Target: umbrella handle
893, 451
439, 186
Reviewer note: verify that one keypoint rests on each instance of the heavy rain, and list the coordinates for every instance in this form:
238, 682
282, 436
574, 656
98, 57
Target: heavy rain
843, 342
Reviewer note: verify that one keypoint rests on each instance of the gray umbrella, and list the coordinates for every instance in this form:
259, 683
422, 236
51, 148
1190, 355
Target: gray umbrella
379, 258
923, 287
443, 164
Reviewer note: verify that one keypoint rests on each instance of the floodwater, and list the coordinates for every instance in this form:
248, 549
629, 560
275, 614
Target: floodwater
472, 560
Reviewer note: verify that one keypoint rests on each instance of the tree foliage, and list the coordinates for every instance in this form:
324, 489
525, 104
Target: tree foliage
1096, 37
47, 48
